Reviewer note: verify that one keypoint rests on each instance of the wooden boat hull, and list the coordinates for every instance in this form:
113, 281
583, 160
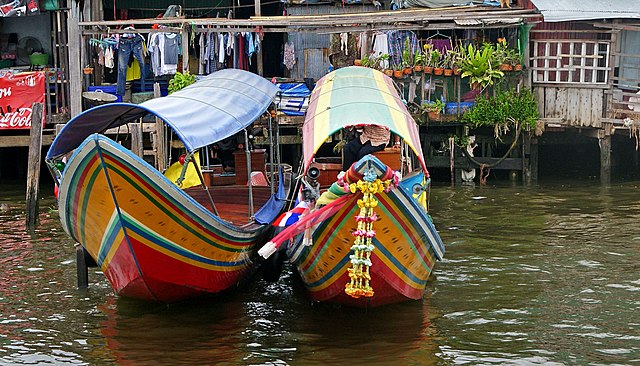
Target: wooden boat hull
151, 239
406, 243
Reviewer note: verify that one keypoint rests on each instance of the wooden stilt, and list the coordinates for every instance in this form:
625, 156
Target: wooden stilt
159, 145
82, 269
605, 159
533, 160
33, 169
136, 139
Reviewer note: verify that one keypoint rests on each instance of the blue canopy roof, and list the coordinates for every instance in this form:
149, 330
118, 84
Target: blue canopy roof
212, 109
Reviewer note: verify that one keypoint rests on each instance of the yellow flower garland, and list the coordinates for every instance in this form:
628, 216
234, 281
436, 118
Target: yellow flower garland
363, 243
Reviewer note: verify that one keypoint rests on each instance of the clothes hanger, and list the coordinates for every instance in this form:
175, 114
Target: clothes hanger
439, 34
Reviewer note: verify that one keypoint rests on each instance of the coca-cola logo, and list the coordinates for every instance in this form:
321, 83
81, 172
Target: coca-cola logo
18, 119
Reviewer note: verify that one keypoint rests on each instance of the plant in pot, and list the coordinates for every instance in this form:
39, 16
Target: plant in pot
501, 53
435, 62
480, 66
418, 61
426, 58
433, 109
448, 62
407, 58
398, 71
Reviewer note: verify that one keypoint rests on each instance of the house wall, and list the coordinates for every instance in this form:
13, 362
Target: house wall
311, 49
571, 69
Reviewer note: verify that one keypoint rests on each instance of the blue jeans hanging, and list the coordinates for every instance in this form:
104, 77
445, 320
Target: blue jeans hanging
125, 47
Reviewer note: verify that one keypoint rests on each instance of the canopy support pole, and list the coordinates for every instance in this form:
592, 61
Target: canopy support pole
271, 161
206, 187
248, 155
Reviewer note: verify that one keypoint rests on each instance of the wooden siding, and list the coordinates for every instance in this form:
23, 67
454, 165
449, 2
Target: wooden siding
312, 49
576, 107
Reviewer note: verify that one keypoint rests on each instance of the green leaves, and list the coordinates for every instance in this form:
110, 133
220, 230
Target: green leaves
505, 110
181, 81
481, 66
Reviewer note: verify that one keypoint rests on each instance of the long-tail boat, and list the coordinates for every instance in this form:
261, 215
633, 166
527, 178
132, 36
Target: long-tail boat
152, 237
367, 239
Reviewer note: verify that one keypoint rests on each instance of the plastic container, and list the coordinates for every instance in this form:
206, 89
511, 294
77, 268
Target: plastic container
39, 59
452, 107
111, 89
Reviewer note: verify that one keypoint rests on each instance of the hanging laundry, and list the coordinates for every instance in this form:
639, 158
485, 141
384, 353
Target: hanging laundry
381, 47
289, 55
344, 43
108, 58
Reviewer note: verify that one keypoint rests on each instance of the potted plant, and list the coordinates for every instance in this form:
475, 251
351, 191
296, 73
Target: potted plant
381, 62
407, 57
418, 61
448, 62
433, 109
435, 62
426, 59
398, 71
480, 66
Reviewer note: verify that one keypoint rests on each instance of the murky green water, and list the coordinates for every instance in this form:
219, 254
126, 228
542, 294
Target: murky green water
542, 275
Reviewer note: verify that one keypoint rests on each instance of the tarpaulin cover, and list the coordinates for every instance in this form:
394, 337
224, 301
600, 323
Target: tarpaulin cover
294, 99
356, 96
212, 109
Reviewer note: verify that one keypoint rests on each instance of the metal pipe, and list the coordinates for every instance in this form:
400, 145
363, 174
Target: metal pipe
206, 187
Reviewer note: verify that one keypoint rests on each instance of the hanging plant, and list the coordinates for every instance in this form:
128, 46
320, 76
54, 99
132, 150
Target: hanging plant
505, 111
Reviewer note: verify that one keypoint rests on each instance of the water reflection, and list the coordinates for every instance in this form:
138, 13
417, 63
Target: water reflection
541, 275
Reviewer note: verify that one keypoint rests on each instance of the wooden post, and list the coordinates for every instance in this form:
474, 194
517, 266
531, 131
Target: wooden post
605, 158
136, 139
82, 269
185, 49
75, 69
533, 159
159, 146
33, 168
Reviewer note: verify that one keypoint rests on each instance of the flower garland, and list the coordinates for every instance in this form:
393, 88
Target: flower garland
363, 245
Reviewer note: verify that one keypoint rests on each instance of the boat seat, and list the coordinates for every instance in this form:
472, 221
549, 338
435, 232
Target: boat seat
390, 157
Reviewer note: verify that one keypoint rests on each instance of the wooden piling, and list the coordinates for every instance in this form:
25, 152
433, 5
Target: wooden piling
82, 269
605, 159
33, 168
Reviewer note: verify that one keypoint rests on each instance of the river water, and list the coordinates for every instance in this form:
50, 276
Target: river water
548, 274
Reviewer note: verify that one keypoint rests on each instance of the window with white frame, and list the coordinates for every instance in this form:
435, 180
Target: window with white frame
570, 61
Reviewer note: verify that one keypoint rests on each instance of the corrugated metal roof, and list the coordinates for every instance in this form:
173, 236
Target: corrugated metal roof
567, 10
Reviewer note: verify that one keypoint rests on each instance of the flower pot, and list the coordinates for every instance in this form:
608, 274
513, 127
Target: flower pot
434, 115
438, 71
428, 69
517, 67
448, 72
357, 62
388, 72
408, 70
87, 70
506, 67
397, 74
456, 71
418, 68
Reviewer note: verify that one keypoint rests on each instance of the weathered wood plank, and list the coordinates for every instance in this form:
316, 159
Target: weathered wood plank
550, 103
597, 107
584, 108
33, 168
572, 106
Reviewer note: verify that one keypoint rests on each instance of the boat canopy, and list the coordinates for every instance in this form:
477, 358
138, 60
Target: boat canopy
212, 109
353, 96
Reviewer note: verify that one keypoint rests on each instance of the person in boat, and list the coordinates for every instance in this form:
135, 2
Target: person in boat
371, 138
